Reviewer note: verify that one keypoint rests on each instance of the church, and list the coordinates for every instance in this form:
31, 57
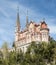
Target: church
37, 32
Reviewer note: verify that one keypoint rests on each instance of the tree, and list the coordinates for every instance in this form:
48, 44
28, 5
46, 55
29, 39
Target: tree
12, 58
5, 53
1, 58
34, 55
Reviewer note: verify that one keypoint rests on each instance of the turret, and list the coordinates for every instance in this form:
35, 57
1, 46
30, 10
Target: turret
44, 32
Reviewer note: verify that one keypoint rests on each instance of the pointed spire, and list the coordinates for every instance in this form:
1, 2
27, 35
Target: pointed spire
18, 20
43, 19
27, 23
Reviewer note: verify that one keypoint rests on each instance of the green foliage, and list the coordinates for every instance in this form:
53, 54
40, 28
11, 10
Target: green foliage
12, 58
1, 58
36, 54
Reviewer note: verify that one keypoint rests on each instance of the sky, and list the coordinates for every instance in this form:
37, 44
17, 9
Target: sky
37, 11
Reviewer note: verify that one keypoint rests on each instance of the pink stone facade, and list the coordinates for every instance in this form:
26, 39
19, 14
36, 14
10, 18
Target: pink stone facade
34, 32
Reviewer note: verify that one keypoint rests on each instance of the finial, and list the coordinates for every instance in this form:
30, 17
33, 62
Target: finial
27, 12
17, 9
43, 19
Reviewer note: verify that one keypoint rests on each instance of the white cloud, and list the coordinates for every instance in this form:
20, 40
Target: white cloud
4, 12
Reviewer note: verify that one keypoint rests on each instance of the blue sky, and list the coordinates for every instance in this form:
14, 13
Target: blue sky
37, 10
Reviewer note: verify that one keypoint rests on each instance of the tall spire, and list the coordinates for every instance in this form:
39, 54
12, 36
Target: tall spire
43, 19
18, 20
27, 20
